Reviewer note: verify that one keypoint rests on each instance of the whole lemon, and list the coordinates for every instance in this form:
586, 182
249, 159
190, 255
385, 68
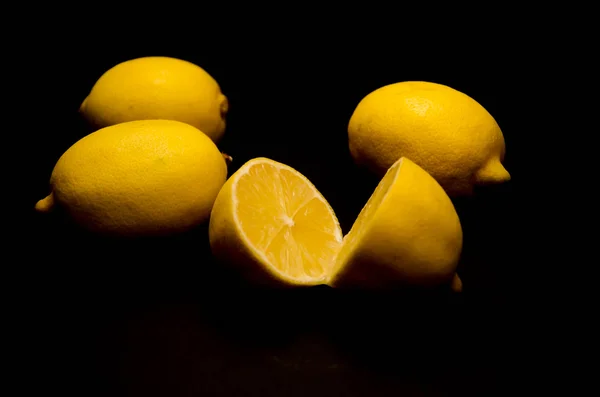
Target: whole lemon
148, 177
446, 132
152, 88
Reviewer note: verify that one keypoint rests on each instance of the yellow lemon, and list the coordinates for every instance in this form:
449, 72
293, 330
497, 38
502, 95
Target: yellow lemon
446, 132
146, 177
272, 224
408, 233
157, 88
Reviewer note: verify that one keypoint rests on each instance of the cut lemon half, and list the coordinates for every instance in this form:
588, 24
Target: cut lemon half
408, 233
272, 224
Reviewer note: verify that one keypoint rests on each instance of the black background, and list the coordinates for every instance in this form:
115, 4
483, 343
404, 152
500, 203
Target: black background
158, 317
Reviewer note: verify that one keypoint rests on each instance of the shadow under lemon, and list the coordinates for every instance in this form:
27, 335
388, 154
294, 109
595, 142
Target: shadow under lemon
104, 268
490, 264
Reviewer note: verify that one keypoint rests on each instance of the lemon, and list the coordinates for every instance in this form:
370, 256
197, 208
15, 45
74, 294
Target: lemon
456, 284
272, 224
146, 177
408, 233
157, 88
446, 132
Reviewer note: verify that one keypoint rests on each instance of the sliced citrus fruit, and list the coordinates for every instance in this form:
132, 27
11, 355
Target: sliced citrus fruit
273, 225
408, 233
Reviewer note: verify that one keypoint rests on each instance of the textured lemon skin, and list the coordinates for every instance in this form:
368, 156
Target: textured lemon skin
150, 177
413, 237
157, 88
231, 248
446, 132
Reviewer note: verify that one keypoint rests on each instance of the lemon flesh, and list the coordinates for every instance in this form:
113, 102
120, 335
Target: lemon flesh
272, 223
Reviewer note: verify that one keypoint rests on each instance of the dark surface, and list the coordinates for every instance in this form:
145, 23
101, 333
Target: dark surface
158, 318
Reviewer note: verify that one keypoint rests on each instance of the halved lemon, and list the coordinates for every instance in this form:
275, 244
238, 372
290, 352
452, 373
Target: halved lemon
273, 225
408, 233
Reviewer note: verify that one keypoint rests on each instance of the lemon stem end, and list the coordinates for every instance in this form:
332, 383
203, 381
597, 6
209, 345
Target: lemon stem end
228, 158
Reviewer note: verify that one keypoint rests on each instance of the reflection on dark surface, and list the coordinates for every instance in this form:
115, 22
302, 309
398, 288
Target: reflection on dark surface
159, 317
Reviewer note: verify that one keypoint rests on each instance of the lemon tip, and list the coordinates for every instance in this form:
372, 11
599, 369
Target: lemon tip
46, 204
456, 284
494, 172
223, 105
83, 104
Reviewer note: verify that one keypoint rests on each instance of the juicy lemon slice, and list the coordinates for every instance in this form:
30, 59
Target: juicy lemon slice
272, 224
